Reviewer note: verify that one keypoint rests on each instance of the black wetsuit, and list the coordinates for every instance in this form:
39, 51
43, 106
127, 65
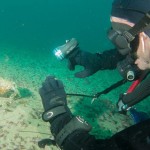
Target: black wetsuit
140, 93
136, 137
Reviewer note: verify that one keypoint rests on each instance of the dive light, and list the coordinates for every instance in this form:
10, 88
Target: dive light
65, 50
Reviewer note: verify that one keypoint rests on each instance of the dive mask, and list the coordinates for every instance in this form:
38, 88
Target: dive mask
121, 38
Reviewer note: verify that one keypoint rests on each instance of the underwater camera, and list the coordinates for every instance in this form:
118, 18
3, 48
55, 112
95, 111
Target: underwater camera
128, 69
66, 50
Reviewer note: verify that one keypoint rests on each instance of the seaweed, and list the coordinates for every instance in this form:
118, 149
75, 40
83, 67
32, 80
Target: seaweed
24, 92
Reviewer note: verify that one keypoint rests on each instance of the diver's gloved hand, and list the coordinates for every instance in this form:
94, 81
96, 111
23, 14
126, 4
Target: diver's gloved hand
52, 93
89, 61
122, 108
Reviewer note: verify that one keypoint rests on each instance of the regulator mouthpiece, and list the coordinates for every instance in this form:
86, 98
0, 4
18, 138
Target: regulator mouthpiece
130, 75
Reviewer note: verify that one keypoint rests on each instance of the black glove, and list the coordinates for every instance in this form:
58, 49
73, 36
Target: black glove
52, 93
65, 128
89, 61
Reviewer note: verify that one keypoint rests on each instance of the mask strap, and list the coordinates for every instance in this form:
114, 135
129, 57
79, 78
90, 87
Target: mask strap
143, 24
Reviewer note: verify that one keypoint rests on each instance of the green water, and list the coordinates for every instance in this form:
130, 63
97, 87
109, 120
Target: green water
44, 24
31, 29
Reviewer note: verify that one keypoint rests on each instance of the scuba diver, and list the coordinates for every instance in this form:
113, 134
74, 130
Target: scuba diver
130, 32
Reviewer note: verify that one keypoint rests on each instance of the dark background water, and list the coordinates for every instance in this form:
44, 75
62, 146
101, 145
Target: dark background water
46, 23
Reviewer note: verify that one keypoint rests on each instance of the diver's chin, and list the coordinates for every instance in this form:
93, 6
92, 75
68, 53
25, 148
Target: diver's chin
143, 67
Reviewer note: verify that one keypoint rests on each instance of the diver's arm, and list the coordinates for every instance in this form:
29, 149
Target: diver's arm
141, 92
109, 59
76, 139
132, 138
93, 62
